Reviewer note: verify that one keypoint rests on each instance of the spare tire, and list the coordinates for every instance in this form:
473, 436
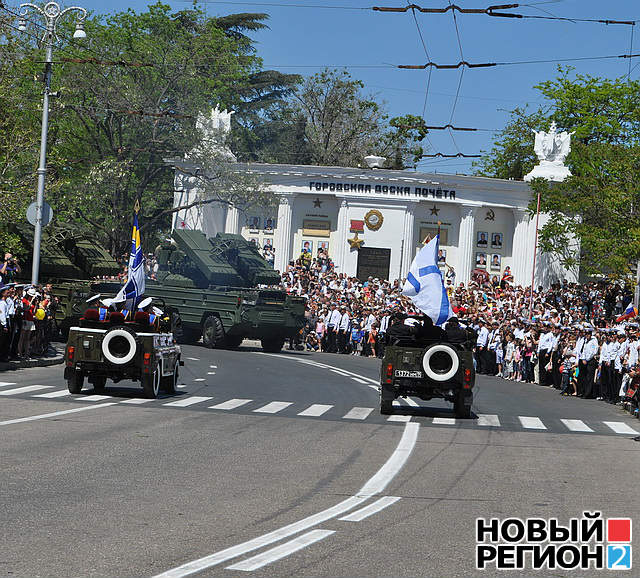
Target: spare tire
119, 346
440, 362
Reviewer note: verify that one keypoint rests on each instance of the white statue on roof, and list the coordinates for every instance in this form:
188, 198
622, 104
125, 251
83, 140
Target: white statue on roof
215, 129
552, 149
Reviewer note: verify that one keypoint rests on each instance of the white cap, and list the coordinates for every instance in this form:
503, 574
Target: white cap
145, 302
32, 292
157, 311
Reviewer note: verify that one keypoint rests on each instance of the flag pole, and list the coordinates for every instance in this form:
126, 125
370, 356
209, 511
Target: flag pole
535, 253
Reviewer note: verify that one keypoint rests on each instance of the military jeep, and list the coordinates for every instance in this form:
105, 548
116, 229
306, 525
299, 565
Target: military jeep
117, 349
427, 370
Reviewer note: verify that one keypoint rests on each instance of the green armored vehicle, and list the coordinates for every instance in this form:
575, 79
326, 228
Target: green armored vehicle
113, 348
224, 291
428, 368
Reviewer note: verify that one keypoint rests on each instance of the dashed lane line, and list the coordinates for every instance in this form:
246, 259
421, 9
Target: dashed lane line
370, 509
531, 422
231, 404
576, 425
358, 413
396, 417
53, 394
137, 401
93, 398
620, 427
6, 383
372, 487
273, 407
282, 551
54, 414
485, 419
444, 421
24, 389
316, 410
188, 401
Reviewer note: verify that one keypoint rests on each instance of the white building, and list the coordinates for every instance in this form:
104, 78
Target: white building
483, 222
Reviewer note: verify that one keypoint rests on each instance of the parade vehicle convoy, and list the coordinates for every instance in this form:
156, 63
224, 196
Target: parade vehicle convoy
428, 370
220, 289
111, 347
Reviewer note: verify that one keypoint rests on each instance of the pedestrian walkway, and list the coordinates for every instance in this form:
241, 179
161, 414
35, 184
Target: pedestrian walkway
404, 410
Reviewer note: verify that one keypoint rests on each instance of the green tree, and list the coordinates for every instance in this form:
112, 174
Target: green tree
599, 205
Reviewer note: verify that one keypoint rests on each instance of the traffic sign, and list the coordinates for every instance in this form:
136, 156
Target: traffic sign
47, 214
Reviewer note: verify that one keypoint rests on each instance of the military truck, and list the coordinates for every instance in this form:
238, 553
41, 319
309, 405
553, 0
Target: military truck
428, 370
117, 349
224, 291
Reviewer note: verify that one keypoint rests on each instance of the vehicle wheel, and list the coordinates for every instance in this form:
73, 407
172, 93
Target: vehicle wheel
459, 408
233, 341
151, 383
272, 345
170, 383
386, 403
212, 332
176, 327
99, 383
75, 381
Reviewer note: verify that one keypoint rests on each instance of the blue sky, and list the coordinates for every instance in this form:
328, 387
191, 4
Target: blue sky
305, 39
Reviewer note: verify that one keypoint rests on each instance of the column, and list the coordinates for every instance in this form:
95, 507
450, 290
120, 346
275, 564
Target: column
522, 247
231, 221
408, 240
283, 232
466, 243
342, 233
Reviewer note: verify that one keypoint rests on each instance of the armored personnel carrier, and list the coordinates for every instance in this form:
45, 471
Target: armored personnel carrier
224, 291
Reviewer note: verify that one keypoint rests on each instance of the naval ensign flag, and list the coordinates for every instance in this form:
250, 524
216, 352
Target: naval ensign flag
134, 287
424, 285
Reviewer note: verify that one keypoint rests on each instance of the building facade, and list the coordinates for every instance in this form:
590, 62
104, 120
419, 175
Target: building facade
373, 221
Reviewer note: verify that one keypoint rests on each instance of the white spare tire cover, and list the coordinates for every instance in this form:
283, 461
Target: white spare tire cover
455, 363
110, 336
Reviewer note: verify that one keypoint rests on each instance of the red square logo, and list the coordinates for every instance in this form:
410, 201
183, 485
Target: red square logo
618, 530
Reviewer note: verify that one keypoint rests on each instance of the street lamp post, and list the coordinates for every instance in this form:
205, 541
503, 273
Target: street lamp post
51, 13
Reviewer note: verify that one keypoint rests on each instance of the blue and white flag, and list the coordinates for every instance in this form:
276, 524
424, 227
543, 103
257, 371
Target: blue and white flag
424, 284
134, 287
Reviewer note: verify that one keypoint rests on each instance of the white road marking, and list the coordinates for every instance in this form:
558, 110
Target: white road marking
54, 414
230, 404
193, 358
5, 383
188, 401
282, 551
362, 381
374, 485
199, 379
488, 420
273, 407
358, 413
340, 372
182, 386
52, 394
24, 389
369, 510
576, 425
531, 422
620, 427
444, 421
93, 397
213, 366
410, 402
211, 372
399, 418
136, 401
315, 410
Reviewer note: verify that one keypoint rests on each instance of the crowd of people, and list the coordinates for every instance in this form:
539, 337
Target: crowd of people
571, 337
27, 315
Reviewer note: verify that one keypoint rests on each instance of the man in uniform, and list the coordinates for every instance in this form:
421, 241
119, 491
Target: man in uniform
481, 345
588, 363
344, 330
545, 350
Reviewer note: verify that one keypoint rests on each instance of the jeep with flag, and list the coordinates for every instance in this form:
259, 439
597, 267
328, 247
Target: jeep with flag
420, 358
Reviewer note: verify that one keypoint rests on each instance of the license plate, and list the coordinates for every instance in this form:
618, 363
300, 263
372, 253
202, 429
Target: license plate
405, 373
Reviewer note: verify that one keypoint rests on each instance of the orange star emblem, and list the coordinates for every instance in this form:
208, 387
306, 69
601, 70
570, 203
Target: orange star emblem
355, 243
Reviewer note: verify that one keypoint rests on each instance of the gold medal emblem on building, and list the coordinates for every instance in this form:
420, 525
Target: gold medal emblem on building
373, 219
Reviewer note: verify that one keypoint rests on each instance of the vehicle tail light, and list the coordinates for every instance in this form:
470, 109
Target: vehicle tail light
71, 350
239, 302
389, 373
467, 379
146, 360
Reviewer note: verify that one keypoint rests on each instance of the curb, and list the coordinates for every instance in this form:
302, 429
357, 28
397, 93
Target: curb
55, 357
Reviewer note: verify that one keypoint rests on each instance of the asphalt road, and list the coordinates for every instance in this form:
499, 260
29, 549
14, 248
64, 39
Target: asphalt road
281, 465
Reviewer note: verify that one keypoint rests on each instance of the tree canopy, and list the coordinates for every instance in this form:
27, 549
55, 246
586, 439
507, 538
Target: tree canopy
599, 206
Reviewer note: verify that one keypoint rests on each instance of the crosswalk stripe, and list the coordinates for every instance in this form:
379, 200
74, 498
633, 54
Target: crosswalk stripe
93, 397
488, 420
444, 421
24, 389
399, 418
188, 401
316, 410
358, 413
531, 422
136, 401
620, 427
273, 407
230, 404
5, 383
281, 551
369, 510
576, 425
52, 394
